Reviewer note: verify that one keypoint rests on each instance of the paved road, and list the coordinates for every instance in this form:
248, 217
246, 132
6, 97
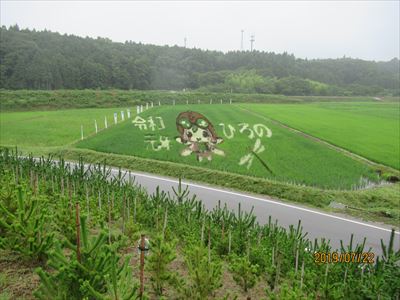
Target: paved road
317, 223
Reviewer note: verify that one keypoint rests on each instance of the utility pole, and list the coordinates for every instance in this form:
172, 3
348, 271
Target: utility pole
252, 40
241, 42
184, 40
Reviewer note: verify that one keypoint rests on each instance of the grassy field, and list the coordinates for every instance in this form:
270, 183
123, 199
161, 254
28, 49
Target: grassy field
26, 100
291, 158
50, 128
371, 130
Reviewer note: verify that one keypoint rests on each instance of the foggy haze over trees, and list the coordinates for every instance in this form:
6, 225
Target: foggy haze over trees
31, 59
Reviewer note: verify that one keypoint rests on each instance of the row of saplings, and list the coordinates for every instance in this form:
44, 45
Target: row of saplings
77, 222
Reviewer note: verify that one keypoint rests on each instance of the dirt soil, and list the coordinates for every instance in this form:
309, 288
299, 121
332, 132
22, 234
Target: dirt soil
17, 277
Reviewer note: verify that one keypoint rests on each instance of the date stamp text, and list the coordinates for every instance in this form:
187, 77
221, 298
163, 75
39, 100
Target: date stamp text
344, 257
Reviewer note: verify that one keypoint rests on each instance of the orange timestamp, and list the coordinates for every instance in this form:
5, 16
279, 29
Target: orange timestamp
344, 257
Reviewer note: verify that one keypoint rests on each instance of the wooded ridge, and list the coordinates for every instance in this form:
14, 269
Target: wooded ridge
33, 59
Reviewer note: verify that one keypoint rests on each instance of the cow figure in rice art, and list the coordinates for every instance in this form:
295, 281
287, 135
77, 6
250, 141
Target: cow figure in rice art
198, 135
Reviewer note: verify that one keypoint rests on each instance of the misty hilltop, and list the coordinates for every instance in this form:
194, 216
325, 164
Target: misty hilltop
32, 59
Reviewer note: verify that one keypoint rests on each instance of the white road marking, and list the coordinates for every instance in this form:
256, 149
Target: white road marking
265, 200
251, 197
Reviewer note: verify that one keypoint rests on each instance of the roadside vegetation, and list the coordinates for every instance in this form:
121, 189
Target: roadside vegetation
377, 203
90, 248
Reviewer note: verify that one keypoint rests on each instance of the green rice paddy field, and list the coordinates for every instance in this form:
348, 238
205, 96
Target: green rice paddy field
369, 129
50, 128
291, 157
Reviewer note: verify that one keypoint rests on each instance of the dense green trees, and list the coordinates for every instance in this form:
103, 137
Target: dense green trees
46, 60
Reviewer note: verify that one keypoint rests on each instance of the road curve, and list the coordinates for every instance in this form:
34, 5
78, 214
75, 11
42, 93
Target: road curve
318, 224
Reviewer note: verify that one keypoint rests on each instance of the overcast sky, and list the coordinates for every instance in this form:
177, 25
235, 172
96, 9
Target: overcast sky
313, 29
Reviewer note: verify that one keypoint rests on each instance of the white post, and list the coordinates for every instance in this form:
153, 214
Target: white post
115, 118
159, 103
152, 104
105, 122
81, 132
128, 112
230, 101
147, 105
173, 102
221, 101
211, 101
141, 108
198, 101
137, 109
95, 125
122, 115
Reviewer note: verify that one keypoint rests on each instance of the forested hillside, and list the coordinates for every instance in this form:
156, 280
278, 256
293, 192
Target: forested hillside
47, 60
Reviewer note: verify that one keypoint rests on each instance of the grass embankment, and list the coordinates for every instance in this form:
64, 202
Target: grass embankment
371, 130
26, 100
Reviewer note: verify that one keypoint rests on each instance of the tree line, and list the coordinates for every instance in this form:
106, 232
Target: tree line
31, 59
